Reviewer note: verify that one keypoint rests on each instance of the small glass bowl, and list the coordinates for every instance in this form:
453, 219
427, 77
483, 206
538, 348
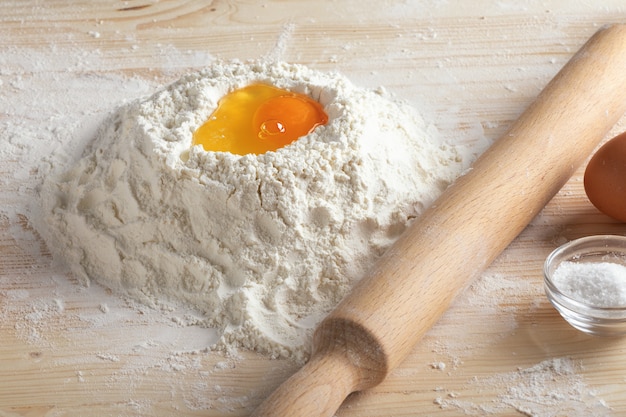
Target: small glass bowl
599, 321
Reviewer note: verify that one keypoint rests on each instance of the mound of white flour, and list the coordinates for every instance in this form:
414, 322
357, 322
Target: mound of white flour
264, 245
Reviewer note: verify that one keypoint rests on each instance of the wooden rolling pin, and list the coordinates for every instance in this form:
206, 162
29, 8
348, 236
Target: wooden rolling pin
375, 327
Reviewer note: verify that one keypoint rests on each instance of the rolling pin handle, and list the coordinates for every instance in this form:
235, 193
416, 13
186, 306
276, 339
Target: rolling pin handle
317, 389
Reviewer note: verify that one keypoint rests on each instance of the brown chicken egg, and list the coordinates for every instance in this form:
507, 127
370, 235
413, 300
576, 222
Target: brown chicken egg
605, 178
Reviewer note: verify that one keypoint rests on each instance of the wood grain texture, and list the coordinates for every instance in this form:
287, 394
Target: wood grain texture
472, 69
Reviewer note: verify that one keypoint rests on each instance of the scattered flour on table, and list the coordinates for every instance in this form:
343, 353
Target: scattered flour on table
550, 388
264, 245
553, 387
491, 294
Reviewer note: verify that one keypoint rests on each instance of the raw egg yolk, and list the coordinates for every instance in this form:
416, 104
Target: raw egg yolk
257, 119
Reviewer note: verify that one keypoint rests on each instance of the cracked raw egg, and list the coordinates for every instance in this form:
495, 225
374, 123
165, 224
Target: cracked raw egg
605, 178
257, 119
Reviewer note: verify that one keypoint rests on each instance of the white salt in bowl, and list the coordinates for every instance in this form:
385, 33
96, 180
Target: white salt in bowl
585, 280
